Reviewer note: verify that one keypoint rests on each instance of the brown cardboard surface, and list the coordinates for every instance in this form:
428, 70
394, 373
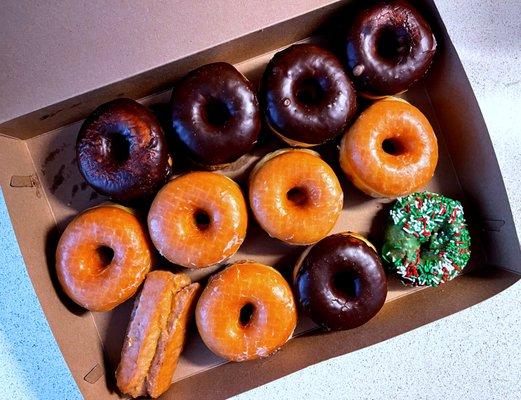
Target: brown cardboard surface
478, 170
36, 233
49, 187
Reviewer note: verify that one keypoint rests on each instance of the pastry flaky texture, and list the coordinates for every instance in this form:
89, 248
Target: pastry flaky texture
156, 334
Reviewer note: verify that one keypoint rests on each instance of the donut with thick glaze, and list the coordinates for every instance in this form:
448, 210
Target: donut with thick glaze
389, 47
340, 282
103, 256
307, 97
246, 311
122, 151
198, 219
391, 149
295, 196
215, 114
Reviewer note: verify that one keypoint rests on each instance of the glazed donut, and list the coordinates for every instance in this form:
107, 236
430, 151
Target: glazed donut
156, 334
247, 311
102, 257
195, 208
215, 114
389, 47
295, 196
340, 282
427, 241
307, 97
122, 152
391, 149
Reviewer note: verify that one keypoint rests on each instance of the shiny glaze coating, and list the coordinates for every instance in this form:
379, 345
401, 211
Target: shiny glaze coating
307, 97
122, 151
173, 219
81, 268
309, 217
218, 312
389, 47
326, 301
155, 334
411, 163
172, 340
215, 114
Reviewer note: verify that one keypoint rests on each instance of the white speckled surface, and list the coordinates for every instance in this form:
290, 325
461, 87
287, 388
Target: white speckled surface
474, 354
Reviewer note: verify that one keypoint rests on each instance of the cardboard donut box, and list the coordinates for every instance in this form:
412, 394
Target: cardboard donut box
44, 190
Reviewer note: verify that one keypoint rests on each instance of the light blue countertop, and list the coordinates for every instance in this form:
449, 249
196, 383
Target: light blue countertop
474, 354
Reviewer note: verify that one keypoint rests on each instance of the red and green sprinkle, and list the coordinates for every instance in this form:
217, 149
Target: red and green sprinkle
427, 241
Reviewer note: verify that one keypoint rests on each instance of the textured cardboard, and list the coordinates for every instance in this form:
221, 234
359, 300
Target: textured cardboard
44, 190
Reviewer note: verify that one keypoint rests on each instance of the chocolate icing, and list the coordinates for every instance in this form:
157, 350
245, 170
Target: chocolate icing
215, 114
307, 97
389, 47
341, 283
122, 151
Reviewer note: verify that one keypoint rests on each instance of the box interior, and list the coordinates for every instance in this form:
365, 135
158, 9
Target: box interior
44, 190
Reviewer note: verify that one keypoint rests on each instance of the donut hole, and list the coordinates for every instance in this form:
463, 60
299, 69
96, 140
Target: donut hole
105, 256
202, 220
117, 147
394, 147
425, 248
310, 91
297, 196
246, 314
393, 43
217, 112
348, 283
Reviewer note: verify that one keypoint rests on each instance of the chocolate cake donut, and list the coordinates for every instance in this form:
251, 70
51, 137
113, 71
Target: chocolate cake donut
122, 151
215, 114
389, 47
340, 282
307, 97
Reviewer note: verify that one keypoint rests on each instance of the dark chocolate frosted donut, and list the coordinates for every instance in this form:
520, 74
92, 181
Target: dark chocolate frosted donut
122, 151
340, 282
307, 97
215, 114
389, 47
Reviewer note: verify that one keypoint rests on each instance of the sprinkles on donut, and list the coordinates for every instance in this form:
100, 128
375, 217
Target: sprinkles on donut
427, 242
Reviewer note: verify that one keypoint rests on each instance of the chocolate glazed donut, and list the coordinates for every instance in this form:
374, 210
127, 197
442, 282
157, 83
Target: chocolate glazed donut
340, 282
122, 152
307, 97
389, 47
215, 114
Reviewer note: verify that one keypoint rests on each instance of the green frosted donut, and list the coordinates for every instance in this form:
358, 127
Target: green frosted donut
427, 241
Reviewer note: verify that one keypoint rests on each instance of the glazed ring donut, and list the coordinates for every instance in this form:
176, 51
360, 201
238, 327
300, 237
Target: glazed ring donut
308, 98
194, 209
295, 196
427, 241
122, 152
102, 257
391, 149
389, 47
215, 114
340, 282
247, 311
